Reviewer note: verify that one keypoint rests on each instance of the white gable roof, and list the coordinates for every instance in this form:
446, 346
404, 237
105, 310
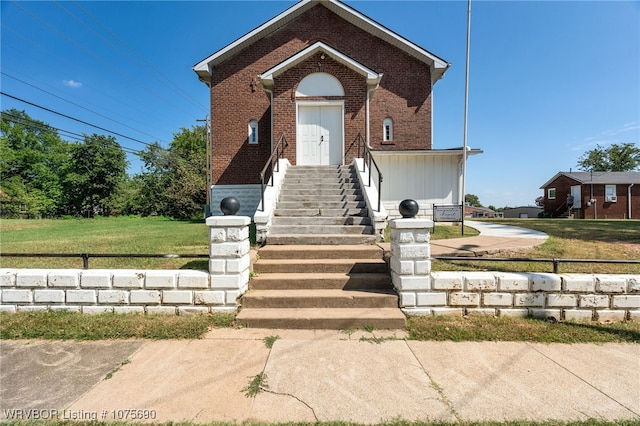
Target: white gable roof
373, 78
438, 65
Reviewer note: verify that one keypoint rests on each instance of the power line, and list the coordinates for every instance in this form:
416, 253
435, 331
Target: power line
98, 58
60, 59
176, 89
74, 119
78, 105
76, 136
41, 126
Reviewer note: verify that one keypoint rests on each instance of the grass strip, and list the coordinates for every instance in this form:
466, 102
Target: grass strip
507, 329
52, 325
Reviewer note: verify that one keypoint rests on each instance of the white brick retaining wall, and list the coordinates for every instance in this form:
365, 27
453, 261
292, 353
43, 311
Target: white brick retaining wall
117, 290
127, 290
578, 297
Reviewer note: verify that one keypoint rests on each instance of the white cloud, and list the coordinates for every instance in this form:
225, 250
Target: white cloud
72, 83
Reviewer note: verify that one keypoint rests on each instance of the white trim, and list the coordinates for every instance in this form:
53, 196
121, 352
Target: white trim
267, 77
438, 65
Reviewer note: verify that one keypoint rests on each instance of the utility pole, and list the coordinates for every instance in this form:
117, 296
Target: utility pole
209, 177
466, 112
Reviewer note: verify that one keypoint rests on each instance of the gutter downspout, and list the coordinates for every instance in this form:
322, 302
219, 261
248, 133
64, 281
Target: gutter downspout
367, 124
629, 199
269, 92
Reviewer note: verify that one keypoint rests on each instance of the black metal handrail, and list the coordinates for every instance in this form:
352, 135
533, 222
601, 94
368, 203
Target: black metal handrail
278, 152
85, 256
556, 261
364, 152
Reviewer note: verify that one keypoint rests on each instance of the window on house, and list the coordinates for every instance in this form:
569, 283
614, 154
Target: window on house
610, 190
253, 132
387, 130
551, 193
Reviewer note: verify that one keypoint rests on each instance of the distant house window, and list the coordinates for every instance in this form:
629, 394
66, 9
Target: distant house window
253, 132
551, 193
387, 130
610, 191
610, 194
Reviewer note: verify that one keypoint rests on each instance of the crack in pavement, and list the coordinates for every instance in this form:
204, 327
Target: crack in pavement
436, 386
294, 397
582, 380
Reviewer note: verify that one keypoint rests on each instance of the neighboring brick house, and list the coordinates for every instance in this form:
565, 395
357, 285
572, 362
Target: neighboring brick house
320, 74
595, 195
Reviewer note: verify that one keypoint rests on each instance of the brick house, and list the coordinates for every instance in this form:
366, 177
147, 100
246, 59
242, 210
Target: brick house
595, 195
321, 74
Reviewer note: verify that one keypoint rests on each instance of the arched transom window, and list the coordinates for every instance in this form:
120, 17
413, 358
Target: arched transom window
319, 84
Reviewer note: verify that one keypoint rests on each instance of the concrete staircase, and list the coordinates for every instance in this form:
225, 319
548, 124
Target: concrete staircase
321, 287
321, 205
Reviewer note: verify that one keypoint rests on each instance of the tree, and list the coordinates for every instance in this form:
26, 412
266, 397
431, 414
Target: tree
174, 180
33, 160
96, 169
615, 158
472, 200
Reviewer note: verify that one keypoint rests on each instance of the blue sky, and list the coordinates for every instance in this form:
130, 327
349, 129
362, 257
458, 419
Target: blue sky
549, 80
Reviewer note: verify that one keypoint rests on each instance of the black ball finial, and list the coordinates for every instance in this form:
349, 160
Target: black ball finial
229, 206
408, 208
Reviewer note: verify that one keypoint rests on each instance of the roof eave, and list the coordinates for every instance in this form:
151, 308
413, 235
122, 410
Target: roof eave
437, 65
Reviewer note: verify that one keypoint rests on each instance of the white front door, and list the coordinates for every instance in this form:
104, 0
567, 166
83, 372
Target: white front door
576, 191
319, 135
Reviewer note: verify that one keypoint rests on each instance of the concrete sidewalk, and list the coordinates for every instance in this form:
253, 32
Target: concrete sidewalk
318, 375
494, 238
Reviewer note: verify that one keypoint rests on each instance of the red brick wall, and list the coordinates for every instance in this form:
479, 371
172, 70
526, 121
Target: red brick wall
601, 209
237, 97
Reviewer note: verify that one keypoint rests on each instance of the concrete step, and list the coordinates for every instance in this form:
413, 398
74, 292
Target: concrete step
321, 220
317, 186
321, 205
301, 299
319, 169
321, 181
310, 266
321, 212
326, 281
320, 239
317, 319
321, 192
320, 252
287, 229
305, 197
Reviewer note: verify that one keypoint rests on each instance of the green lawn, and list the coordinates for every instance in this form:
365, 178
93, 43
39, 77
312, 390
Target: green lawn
132, 235
577, 239
568, 239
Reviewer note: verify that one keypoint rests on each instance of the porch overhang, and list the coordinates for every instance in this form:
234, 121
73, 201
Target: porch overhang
267, 78
452, 152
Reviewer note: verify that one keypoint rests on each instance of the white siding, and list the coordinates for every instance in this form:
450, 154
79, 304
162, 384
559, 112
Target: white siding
429, 179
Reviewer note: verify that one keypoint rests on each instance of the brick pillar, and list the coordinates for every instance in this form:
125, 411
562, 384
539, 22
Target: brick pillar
411, 263
229, 259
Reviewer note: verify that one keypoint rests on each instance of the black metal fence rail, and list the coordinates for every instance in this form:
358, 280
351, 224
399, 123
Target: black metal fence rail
556, 262
85, 256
